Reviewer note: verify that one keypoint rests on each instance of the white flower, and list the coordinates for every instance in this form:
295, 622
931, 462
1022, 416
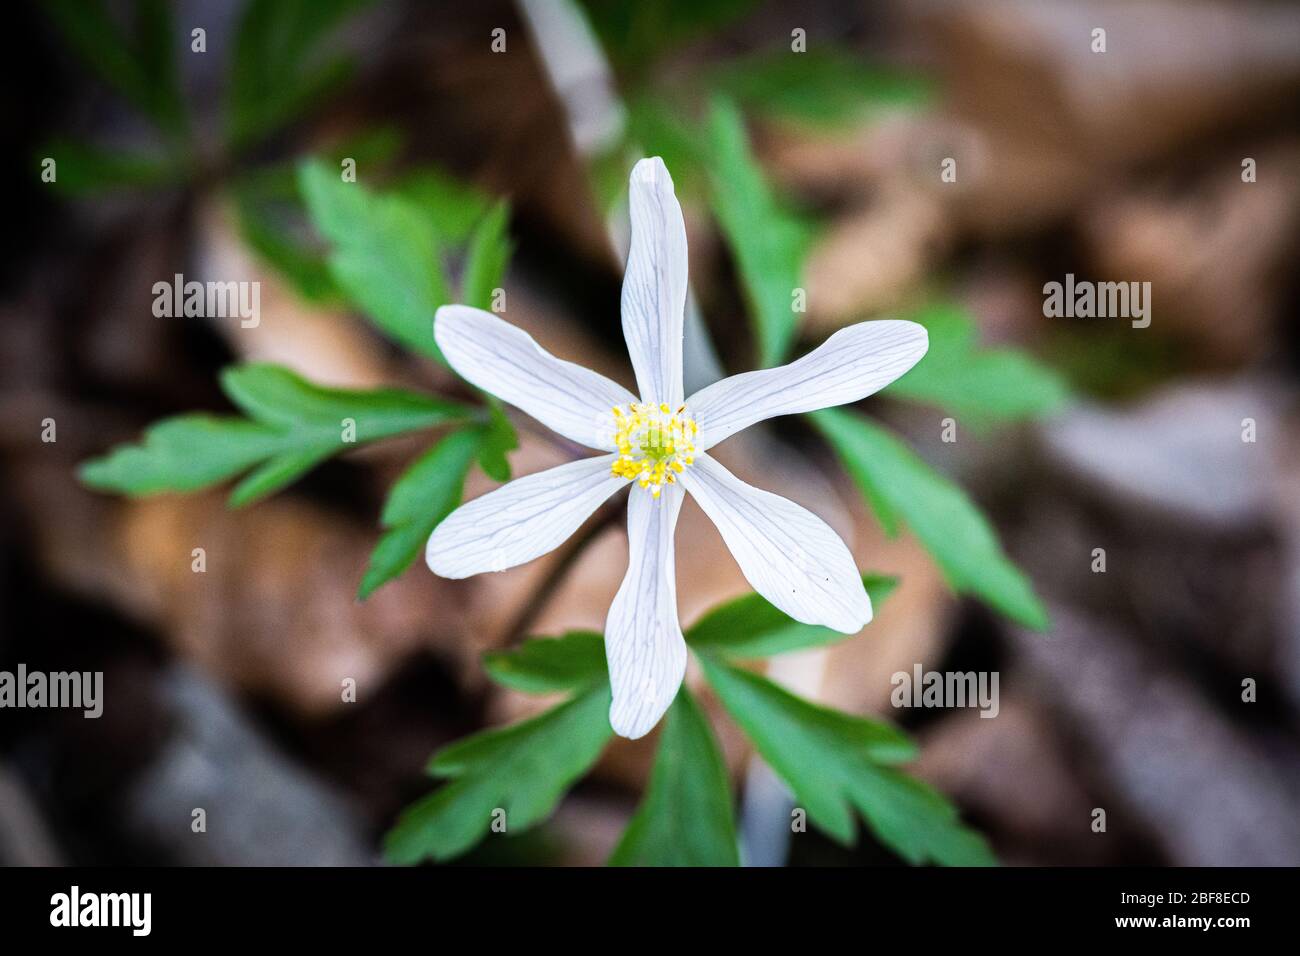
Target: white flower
659, 445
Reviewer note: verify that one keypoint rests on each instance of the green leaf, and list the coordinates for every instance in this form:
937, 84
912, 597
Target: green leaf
271, 225
277, 396
824, 86
660, 128
685, 818
426, 493
768, 243
836, 763
486, 260
981, 385
523, 769
633, 34
141, 67
385, 254
277, 473
453, 207
81, 169
750, 627
899, 485
185, 453
277, 70
547, 665
498, 438
292, 425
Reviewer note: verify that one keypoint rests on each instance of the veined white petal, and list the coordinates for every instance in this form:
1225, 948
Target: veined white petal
643, 639
505, 360
850, 365
654, 285
521, 520
787, 553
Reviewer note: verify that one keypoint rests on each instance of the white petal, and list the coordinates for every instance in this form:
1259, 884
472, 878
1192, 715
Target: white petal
850, 365
505, 361
787, 553
643, 639
521, 520
654, 285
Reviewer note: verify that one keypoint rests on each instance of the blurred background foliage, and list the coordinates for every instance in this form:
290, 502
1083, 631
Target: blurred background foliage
817, 171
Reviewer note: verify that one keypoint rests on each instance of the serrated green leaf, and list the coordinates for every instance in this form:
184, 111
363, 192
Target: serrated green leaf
769, 244
980, 385
140, 66
454, 207
633, 34
547, 665
523, 769
750, 627
685, 818
659, 128
426, 493
271, 226
836, 763
498, 438
822, 86
84, 170
274, 395
184, 453
486, 259
294, 425
277, 69
156, 43
276, 473
900, 485
385, 254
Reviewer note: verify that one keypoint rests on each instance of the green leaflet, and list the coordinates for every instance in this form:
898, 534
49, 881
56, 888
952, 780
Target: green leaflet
823, 86
983, 386
275, 395
633, 34
685, 818
485, 261
836, 763
498, 438
427, 492
454, 207
269, 224
523, 770
292, 425
273, 217
547, 665
899, 485
276, 71
750, 627
385, 256
768, 243
84, 170
184, 453
141, 66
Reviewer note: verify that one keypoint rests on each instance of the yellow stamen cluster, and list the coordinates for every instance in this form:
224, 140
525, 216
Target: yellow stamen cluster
655, 444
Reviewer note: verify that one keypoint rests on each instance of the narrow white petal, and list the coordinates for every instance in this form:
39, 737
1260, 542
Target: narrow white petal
787, 553
505, 361
850, 365
654, 286
521, 520
643, 639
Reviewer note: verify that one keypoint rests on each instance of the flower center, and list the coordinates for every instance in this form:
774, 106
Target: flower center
655, 444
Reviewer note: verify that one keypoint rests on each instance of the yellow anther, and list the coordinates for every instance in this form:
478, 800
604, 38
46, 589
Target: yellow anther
655, 444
